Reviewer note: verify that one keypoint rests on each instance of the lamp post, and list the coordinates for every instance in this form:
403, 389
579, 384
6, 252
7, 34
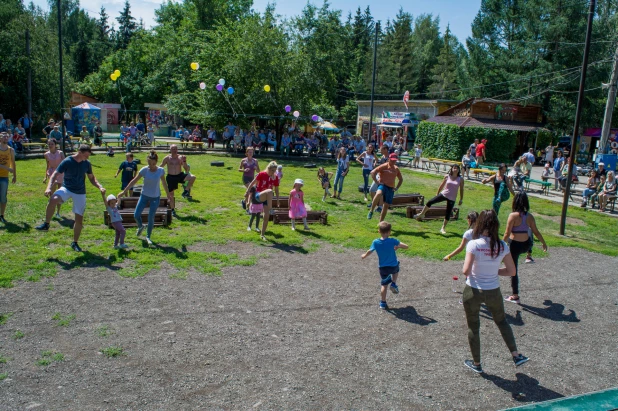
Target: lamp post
62, 130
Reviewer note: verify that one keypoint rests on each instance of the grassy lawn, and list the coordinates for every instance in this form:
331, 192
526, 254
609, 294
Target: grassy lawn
215, 216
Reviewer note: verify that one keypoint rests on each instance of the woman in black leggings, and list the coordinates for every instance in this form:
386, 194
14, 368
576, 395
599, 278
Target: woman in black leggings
452, 184
520, 220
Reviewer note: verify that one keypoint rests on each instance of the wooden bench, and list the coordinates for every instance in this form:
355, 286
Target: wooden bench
194, 144
127, 205
434, 213
478, 172
406, 161
545, 185
313, 217
611, 200
404, 200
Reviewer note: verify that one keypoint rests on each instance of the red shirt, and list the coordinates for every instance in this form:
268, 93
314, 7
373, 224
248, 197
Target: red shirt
479, 149
265, 182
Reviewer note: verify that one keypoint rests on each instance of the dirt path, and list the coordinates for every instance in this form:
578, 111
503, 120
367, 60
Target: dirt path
301, 331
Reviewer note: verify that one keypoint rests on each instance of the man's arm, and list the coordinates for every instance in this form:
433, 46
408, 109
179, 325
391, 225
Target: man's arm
14, 164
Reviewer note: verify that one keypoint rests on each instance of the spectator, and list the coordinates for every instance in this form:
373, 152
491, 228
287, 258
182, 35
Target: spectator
517, 172
473, 145
26, 122
299, 145
564, 173
601, 171
10, 128
466, 162
333, 145
238, 140
98, 134
527, 167
547, 172
55, 134
549, 153
591, 187
272, 139
609, 189
48, 128
227, 137
558, 164
3, 127
286, 141
313, 145
530, 156
359, 145
231, 128
479, 153
418, 151
141, 128
263, 141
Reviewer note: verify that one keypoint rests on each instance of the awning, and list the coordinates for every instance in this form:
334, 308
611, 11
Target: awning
328, 126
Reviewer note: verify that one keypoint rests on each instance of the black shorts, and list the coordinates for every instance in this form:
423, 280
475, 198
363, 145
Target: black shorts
390, 270
174, 180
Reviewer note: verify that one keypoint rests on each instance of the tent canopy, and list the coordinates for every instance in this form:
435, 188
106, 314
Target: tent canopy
328, 126
86, 106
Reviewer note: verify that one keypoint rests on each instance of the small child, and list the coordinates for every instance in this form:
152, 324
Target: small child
255, 209
388, 264
297, 204
110, 152
324, 179
111, 204
467, 236
280, 172
547, 172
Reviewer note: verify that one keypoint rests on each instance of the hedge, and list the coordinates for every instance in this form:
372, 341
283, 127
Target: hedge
450, 142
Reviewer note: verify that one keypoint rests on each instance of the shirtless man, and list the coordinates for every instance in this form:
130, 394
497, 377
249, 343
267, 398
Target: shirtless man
175, 175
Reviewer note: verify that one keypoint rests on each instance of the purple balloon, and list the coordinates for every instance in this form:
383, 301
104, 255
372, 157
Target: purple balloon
219, 87
314, 117
288, 108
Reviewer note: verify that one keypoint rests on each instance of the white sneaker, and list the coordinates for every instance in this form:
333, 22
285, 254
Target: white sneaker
116, 247
58, 215
148, 240
139, 230
124, 246
258, 230
442, 231
323, 198
248, 228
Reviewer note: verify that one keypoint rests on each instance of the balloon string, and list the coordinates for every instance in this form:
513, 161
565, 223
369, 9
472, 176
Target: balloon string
236, 101
122, 100
228, 102
275, 103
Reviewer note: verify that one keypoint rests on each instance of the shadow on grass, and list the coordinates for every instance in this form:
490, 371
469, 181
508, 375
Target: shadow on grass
554, 312
179, 254
516, 320
87, 259
66, 222
191, 219
292, 249
420, 234
524, 389
410, 315
309, 233
13, 228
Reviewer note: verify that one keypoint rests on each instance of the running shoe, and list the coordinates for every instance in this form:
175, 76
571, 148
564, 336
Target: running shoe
258, 230
476, 368
116, 247
369, 215
383, 305
148, 240
244, 204
379, 209
248, 228
139, 230
512, 299
2, 220
76, 247
58, 216
369, 205
124, 246
185, 193
394, 288
174, 213
42, 227
529, 260
520, 359
442, 231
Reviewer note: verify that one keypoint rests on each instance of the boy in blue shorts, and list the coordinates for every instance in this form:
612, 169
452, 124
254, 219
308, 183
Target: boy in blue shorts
386, 248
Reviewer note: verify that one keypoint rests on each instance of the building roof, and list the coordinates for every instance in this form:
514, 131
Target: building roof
410, 102
485, 123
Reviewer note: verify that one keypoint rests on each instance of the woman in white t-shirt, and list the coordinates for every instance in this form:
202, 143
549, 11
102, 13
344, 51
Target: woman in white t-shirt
153, 175
482, 268
368, 161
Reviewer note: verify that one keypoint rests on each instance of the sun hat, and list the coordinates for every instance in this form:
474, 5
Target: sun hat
111, 197
299, 181
393, 156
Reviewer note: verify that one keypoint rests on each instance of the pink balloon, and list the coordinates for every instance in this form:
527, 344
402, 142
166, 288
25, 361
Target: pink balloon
219, 87
288, 108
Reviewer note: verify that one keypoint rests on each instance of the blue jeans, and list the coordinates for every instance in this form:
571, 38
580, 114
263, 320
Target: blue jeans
4, 187
588, 192
339, 177
366, 173
145, 201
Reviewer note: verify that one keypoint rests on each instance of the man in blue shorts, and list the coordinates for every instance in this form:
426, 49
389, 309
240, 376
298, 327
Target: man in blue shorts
386, 185
75, 169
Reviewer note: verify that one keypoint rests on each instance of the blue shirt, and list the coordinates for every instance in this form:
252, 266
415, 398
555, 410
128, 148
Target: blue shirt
386, 251
231, 129
558, 163
74, 174
128, 168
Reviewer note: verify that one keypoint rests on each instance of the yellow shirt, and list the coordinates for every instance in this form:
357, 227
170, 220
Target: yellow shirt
5, 160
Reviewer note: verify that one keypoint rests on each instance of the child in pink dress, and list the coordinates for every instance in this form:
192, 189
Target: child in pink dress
297, 204
255, 209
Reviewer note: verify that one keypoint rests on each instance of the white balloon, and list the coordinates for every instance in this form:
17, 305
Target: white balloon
296, 114
222, 81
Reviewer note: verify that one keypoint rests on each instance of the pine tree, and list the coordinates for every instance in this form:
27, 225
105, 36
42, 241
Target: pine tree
444, 73
425, 49
126, 26
103, 24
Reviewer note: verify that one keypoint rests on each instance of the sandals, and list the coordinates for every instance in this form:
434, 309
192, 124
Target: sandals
512, 299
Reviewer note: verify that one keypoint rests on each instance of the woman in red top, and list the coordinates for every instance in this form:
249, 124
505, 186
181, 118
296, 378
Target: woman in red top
264, 182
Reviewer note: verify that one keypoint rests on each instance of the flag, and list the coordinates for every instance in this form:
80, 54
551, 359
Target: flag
406, 98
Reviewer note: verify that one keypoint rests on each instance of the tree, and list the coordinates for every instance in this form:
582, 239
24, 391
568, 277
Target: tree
425, 50
444, 73
126, 27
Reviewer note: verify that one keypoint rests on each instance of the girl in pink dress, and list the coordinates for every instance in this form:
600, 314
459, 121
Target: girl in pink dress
53, 158
255, 209
297, 204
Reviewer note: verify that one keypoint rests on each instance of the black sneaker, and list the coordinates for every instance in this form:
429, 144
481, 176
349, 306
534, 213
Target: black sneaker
2, 220
476, 368
185, 194
244, 204
520, 359
76, 247
42, 227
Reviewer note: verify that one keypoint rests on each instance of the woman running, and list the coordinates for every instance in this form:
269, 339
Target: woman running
447, 192
153, 176
265, 181
368, 161
484, 255
502, 187
343, 166
53, 158
518, 228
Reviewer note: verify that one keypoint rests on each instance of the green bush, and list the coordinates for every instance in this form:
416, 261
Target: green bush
450, 142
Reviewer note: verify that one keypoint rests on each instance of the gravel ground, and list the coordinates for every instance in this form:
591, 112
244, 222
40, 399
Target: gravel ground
303, 331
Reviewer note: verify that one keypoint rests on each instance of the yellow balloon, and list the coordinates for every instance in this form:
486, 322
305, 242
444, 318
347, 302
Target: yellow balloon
267, 88
195, 66
117, 73
113, 77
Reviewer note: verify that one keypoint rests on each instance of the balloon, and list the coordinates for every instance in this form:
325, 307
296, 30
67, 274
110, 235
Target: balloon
113, 77
288, 108
230, 90
202, 86
195, 66
314, 117
222, 81
296, 114
219, 87
117, 73
267, 88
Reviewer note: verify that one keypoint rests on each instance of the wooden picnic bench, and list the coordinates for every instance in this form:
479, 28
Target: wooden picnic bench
282, 217
194, 144
434, 213
545, 185
404, 200
482, 171
127, 205
42, 146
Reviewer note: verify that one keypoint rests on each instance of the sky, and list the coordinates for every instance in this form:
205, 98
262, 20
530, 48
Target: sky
458, 13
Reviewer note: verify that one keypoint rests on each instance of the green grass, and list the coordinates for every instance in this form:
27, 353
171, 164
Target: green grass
3, 359
215, 217
3, 376
48, 357
63, 320
112, 351
104, 331
18, 335
4, 317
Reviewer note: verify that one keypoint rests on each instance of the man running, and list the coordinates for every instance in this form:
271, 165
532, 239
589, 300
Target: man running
386, 186
175, 175
7, 165
75, 169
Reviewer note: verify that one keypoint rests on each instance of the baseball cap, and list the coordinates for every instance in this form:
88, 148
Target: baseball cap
393, 156
602, 164
111, 197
